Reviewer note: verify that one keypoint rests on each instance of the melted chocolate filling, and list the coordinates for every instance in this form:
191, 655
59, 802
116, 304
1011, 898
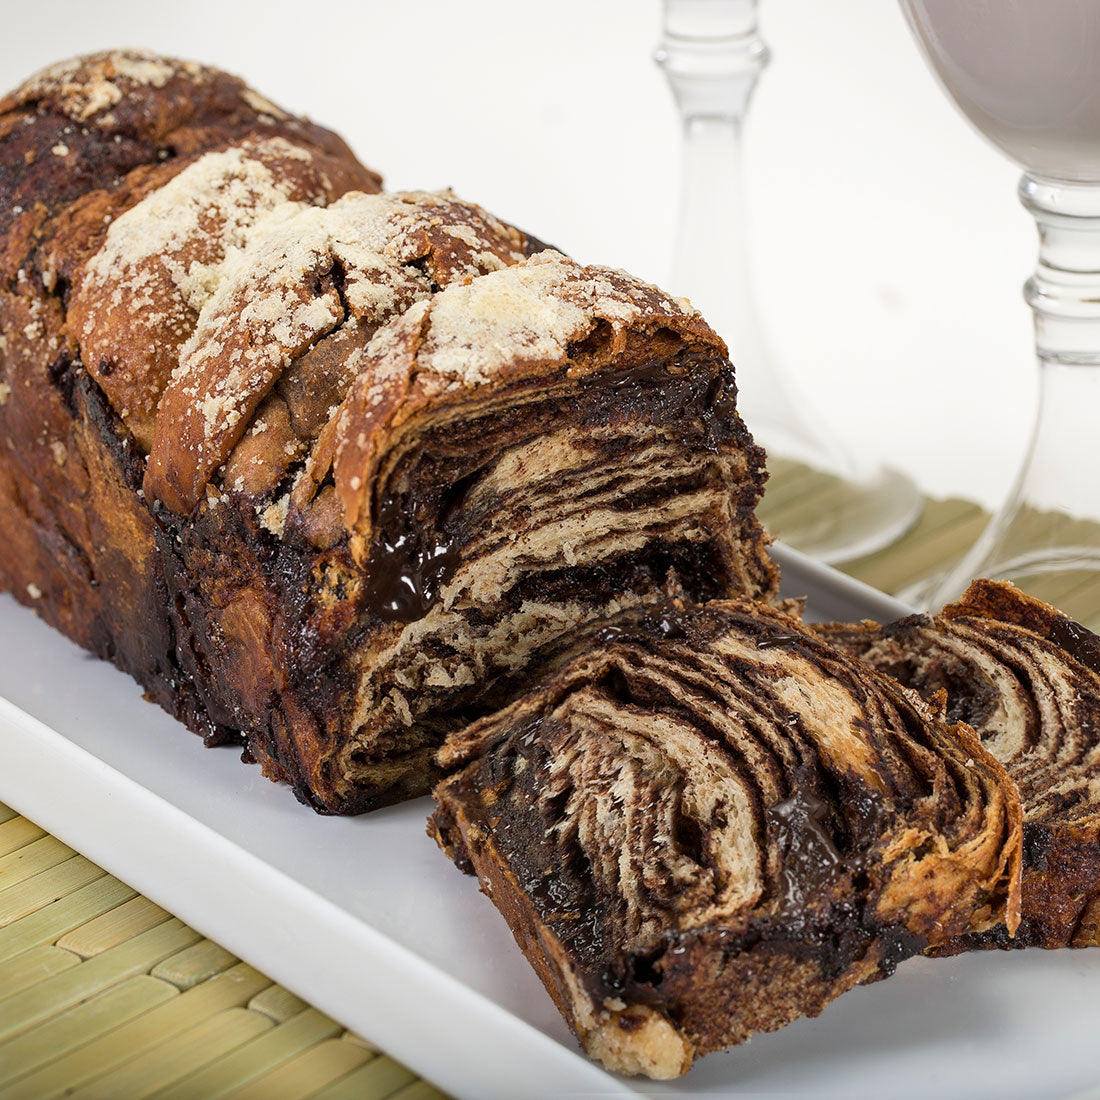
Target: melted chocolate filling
810, 859
1078, 641
777, 641
406, 575
420, 538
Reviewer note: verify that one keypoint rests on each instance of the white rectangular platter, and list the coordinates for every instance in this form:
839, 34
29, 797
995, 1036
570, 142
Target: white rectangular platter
366, 919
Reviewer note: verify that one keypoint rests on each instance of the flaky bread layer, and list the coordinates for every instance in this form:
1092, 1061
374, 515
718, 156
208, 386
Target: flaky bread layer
717, 821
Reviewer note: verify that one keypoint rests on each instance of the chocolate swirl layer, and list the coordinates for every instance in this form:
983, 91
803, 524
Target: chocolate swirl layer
704, 822
1027, 679
521, 455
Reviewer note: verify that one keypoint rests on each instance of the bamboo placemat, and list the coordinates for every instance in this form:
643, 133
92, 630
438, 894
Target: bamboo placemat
944, 531
104, 994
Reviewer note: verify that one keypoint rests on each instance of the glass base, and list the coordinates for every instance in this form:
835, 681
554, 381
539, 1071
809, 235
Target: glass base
1046, 554
836, 519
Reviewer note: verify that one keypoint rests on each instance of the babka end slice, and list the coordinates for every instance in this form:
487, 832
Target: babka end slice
1027, 679
703, 823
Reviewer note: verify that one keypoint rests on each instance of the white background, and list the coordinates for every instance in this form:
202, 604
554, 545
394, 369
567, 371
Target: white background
888, 244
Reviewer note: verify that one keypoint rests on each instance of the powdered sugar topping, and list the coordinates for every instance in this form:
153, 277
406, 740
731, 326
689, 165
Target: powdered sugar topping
212, 206
302, 272
89, 86
531, 312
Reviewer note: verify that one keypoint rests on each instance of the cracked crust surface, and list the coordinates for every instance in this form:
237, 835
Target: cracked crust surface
137, 300
528, 320
304, 273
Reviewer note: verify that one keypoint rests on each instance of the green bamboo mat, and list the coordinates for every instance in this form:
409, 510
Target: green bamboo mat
944, 531
104, 994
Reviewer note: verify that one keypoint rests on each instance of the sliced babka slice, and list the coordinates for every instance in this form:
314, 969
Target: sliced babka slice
704, 823
1027, 679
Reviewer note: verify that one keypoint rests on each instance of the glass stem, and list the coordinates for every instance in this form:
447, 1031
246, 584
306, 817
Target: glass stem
1050, 521
1064, 292
713, 234
713, 55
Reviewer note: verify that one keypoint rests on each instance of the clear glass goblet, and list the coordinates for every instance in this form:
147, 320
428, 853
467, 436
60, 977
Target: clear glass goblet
712, 54
1027, 75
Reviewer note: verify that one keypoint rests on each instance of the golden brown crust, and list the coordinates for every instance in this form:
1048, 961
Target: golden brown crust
134, 87
137, 300
86, 125
1000, 602
304, 273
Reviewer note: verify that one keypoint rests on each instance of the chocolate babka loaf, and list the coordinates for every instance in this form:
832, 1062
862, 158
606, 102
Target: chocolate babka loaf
704, 823
325, 469
1027, 679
